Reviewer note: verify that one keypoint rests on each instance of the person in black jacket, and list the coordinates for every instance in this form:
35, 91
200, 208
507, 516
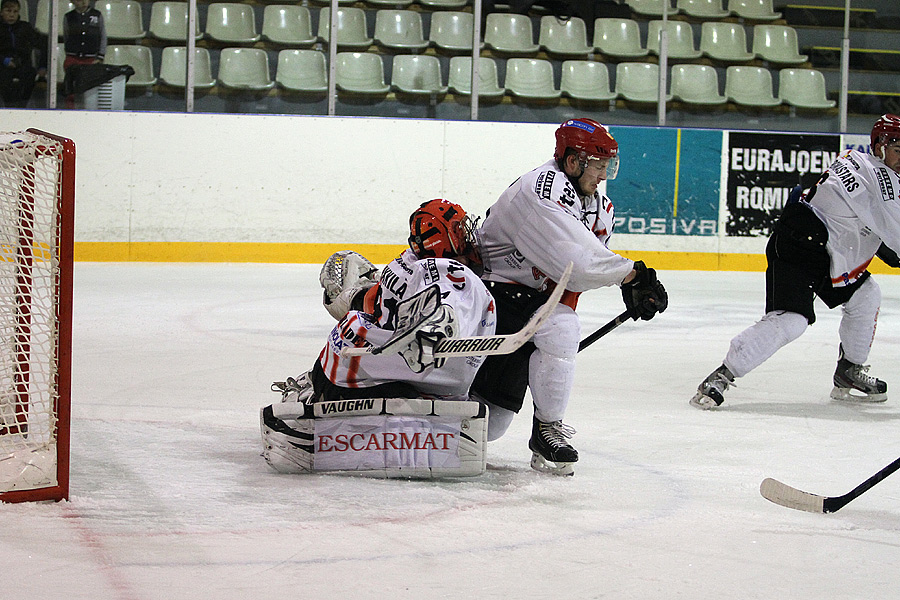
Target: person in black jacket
18, 39
84, 34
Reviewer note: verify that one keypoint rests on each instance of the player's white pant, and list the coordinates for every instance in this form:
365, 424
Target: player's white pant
753, 346
858, 321
776, 329
551, 368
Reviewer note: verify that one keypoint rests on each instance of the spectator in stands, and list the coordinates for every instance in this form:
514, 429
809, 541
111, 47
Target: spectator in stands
84, 34
18, 41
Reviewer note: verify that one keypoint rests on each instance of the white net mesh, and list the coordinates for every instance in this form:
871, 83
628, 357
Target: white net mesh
30, 167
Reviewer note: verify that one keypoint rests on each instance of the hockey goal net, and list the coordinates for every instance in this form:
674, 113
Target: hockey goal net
37, 191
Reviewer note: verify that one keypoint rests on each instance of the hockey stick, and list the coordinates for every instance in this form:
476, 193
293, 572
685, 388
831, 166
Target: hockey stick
604, 330
785, 495
483, 345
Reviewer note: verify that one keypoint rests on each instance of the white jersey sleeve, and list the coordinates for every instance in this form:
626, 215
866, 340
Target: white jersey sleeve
402, 278
540, 224
856, 198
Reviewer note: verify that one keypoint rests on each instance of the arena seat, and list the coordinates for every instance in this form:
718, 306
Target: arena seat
696, 84
724, 41
302, 70
803, 88
530, 78
619, 38
460, 77
638, 82
452, 30
750, 86
287, 24
564, 37
509, 33
42, 15
702, 9
360, 73
414, 74
400, 29
351, 27
777, 44
123, 19
680, 39
138, 58
651, 8
173, 67
586, 80
169, 21
757, 10
245, 69
443, 4
232, 23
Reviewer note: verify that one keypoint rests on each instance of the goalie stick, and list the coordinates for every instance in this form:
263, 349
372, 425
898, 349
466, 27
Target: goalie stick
785, 495
483, 345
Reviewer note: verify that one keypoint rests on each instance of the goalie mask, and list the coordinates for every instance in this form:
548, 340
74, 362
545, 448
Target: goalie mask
591, 141
440, 229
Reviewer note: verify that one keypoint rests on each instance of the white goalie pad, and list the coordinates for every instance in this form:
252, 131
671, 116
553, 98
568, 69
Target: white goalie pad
381, 437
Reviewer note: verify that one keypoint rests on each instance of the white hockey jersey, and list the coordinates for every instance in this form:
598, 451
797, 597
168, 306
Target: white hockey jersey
856, 198
402, 278
540, 224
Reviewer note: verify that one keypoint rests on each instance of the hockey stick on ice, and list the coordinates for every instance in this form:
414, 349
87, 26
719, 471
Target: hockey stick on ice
489, 344
604, 330
785, 495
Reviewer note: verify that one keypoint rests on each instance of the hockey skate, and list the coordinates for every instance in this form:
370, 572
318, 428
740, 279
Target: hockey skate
551, 453
710, 392
852, 383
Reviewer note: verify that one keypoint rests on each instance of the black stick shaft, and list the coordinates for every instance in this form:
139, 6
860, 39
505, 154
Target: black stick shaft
834, 504
604, 330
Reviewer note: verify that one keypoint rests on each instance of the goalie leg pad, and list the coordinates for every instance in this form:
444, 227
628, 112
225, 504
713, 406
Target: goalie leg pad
287, 448
407, 438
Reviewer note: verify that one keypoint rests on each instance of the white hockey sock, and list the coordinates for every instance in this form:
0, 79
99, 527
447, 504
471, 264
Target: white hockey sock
753, 346
858, 321
551, 368
550, 379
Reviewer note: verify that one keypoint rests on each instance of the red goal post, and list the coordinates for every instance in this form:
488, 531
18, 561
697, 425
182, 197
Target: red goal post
37, 210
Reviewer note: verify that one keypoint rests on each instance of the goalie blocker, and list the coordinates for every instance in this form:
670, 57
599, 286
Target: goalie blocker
381, 437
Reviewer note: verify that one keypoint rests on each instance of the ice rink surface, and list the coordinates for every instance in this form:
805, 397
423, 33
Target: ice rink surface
171, 500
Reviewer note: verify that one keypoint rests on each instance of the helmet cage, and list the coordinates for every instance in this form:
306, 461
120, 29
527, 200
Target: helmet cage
440, 229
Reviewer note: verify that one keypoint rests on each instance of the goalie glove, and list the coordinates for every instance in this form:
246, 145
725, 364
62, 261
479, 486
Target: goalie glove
343, 276
644, 295
419, 353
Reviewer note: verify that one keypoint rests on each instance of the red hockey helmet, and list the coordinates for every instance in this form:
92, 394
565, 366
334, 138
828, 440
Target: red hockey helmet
590, 140
886, 129
439, 228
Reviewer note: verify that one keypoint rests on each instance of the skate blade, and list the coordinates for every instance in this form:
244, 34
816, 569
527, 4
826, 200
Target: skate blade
542, 465
703, 402
853, 395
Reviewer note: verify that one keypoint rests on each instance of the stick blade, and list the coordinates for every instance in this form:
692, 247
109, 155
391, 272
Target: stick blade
785, 495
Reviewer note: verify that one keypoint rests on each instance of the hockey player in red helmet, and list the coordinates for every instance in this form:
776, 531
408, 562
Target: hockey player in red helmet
886, 141
549, 217
821, 247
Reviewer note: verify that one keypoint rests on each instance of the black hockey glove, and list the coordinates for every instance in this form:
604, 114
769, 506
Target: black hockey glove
644, 295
